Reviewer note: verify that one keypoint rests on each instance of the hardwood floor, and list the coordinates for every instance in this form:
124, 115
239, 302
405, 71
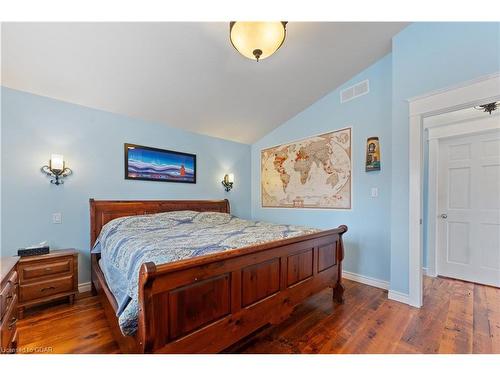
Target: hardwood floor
457, 317
61, 328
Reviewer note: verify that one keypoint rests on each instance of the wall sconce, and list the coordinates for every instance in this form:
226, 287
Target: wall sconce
56, 169
228, 181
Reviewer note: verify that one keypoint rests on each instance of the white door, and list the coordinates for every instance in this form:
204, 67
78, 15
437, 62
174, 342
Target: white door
469, 208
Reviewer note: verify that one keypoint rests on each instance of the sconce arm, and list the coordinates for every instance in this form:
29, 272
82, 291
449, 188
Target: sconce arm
227, 185
66, 172
57, 178
45, 169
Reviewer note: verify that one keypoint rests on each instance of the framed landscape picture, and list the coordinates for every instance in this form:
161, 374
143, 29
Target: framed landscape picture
154, 164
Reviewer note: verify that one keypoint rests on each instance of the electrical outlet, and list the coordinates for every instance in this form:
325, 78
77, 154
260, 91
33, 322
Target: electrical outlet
56, 218
374, 192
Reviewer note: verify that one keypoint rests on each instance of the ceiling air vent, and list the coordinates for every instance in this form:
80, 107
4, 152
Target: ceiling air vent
355, 91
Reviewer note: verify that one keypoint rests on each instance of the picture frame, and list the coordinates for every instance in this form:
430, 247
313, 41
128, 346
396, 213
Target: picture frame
155, 164
373, 159
288, 183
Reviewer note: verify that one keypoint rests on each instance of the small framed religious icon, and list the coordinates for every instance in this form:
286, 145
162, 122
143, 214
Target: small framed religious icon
372, 154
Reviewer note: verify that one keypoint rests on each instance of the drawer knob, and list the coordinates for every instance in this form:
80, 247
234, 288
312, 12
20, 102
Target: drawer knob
47, 288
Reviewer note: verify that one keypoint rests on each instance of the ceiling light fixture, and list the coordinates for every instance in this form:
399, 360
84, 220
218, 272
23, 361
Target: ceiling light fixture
489, 107
257, 40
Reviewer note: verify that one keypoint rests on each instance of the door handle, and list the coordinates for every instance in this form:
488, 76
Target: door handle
443, 216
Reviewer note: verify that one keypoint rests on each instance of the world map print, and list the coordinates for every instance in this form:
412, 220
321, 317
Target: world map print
309, 173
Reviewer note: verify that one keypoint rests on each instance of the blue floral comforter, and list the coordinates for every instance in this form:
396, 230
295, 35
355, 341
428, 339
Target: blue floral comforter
128, 242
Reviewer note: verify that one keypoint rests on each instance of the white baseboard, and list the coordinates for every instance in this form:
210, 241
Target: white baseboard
84, 287
429, 273
398, 296
393, 295
377, 283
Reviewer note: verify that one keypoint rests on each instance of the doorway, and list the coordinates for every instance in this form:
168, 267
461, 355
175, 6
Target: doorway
463, 196
466, 95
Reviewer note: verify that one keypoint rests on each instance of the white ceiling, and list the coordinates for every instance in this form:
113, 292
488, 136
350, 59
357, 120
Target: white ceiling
187, 75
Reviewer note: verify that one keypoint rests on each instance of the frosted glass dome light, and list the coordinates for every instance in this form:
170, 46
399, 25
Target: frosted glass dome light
257, 40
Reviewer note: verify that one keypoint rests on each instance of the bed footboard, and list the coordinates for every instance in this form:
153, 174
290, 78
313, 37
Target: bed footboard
206, 304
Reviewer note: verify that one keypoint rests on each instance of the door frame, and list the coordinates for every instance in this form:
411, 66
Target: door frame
435, 134
478, 91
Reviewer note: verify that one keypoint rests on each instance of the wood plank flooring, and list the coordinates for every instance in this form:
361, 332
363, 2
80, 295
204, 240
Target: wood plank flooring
457, 317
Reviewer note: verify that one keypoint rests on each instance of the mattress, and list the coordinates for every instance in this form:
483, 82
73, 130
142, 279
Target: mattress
128, 242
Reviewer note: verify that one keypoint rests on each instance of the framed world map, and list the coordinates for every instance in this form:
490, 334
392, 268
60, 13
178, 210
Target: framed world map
311, 173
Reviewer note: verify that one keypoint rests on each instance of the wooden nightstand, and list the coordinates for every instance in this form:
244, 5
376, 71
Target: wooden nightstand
8, 304
43, 278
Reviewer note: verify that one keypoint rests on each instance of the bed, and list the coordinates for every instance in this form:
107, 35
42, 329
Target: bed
208, 298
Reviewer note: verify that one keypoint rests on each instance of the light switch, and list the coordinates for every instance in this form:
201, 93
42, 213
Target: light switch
57, 218
374, 192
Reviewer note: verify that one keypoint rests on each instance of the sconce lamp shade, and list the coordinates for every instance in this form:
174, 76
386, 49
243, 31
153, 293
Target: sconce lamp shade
57, 162
257, 40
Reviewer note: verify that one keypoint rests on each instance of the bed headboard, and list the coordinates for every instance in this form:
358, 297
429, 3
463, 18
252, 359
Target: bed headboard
103, 211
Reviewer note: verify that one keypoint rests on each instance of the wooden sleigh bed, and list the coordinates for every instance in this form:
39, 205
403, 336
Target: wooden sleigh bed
208, 303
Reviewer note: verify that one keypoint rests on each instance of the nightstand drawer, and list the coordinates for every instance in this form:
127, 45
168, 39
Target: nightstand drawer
42, 289
8, 293
43, 278
42, 269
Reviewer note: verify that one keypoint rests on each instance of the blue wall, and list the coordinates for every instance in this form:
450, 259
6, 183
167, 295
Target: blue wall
427, 57
368, 240
92, 141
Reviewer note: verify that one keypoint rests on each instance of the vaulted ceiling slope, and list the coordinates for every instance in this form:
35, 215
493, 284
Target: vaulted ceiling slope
187, 75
